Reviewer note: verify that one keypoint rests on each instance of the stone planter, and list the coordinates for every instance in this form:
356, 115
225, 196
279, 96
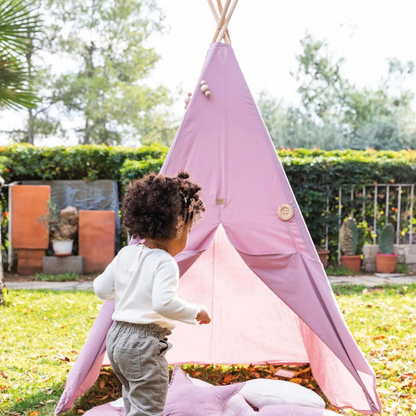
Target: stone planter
352, 263
62, 247
386, 263
323, 256
369, 263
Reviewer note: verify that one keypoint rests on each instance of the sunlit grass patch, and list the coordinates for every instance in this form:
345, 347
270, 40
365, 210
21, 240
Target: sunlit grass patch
42, 333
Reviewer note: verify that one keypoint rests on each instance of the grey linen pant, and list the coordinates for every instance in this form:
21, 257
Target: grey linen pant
137, 355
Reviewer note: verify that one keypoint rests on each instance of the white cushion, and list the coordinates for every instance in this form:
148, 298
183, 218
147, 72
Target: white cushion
118, 403
262, 392
292, 410
236, 406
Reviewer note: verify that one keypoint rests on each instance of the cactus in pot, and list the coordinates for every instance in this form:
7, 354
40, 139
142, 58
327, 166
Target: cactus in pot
348, 237
386, 240
386, 260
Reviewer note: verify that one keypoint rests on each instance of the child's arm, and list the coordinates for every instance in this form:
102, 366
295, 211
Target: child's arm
166, 301
104, 283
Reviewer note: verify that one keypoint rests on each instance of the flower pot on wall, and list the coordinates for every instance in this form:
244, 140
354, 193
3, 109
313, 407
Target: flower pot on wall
352, 263
62, 247
386, 263
323, 256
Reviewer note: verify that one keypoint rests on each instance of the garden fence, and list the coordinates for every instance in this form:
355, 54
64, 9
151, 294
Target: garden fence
373, 206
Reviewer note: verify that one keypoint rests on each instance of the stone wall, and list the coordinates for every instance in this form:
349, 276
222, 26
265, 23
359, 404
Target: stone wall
406, 254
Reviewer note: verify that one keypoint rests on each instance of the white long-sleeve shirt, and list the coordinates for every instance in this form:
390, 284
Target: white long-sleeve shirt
144, 282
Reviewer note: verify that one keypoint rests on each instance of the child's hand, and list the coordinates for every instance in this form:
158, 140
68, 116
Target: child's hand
203, 317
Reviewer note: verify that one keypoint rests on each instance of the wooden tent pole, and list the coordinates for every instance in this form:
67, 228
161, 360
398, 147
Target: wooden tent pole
221, 19
217, 19
220, 8
227, 20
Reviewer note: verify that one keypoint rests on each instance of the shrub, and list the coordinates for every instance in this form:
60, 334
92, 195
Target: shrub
314, 175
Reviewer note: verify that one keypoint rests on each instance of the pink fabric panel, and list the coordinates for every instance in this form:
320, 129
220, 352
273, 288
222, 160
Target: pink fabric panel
301, 284
244, 328
106, 361
88, 364
344, 392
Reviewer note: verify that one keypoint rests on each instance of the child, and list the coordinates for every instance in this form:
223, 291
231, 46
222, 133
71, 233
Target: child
143, 280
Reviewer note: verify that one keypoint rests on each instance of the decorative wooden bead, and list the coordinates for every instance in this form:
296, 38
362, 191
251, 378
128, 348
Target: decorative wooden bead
208, 93
203, 82
204, 88
189, 94
187, 99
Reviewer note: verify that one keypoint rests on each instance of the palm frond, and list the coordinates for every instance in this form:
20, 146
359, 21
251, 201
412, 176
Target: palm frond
15, 91
17, 20
19, 24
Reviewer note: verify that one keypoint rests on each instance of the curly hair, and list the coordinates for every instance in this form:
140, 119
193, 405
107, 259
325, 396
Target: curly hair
155, 205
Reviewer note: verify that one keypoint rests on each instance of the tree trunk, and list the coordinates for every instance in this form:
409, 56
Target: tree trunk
30, 124
2, 285
30, 129
86, 139
90, 73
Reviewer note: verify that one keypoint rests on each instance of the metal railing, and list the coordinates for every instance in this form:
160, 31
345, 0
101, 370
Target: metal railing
400, 187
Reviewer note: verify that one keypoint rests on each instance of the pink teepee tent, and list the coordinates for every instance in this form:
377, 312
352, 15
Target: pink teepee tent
251, 260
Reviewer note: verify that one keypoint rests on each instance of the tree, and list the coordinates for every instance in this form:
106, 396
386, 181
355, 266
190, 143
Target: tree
291, 127
335, 114
18, 22
105, 41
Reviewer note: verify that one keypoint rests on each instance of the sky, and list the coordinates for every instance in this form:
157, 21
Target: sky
266, 35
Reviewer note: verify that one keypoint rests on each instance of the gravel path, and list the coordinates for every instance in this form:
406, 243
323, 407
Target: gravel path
369, 281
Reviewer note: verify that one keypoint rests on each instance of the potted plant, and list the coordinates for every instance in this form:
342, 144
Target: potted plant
61, 230
323, 255
348, 236
385, 259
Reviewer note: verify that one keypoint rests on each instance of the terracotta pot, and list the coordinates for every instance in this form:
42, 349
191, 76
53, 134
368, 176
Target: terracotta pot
386, 263
323, 256
352, 263
62, 247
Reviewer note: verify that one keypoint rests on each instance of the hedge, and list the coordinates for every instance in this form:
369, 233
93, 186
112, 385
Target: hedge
26, 162
89, 162
314, 175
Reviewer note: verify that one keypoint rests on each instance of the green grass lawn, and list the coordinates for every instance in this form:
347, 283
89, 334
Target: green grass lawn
63, 277
41, 333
